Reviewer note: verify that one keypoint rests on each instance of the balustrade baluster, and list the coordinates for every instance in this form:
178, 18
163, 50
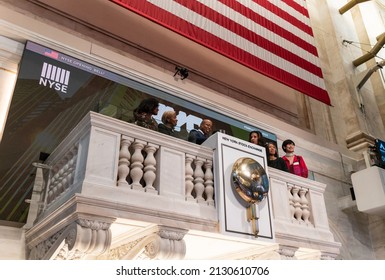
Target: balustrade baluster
150, 168
53, 185
189, 172
297, 204
291, 201
61, 182
137, 165
64, 174
209, 188
124, 161
198, 180
66, 169
304, 205
72, 165
58, 185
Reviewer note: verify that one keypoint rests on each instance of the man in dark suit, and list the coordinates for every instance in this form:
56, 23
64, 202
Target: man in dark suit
198, 136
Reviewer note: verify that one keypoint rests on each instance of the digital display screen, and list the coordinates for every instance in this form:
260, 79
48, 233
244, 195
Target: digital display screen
380, 147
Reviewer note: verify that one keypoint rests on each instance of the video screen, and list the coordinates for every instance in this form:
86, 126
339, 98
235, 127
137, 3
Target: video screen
380, 148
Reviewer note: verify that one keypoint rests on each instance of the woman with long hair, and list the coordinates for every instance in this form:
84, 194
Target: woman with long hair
273, 160
256, 137
143, 114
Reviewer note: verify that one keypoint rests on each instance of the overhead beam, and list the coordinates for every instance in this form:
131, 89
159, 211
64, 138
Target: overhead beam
369, 73
350, 5
372, 53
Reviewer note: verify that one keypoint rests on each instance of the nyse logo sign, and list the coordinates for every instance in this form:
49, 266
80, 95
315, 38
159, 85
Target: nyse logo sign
54, 77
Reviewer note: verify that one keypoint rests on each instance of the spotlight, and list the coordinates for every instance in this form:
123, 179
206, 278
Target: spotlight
182, 72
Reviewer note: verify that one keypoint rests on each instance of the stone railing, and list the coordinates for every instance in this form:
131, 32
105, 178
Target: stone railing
300, 216
103, 153
107, 170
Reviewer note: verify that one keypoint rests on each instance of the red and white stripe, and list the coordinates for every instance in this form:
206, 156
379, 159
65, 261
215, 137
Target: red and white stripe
272, 37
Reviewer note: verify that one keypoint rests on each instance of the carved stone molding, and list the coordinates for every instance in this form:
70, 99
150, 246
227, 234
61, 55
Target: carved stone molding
287, 252
89, 237
125, 251
166, 243
270, 255
81, 238
44, 249
359, 141
171, 233
328, 256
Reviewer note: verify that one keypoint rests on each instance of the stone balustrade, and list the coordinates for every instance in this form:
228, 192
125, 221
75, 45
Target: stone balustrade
102, 152
107, 169
300, 214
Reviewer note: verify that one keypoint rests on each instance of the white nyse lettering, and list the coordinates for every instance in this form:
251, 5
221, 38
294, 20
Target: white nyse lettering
53, 85
54, 77
190, 121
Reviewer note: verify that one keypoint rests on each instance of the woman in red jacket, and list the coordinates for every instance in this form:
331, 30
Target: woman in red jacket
295, 163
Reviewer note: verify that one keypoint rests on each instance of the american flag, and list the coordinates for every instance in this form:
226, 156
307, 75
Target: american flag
272, 37
51, 54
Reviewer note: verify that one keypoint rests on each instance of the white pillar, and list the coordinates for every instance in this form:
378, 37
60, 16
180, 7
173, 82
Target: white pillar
10, 54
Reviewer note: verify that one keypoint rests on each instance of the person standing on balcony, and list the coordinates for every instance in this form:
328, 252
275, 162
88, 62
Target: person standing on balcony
256, 138
143, 114
273, 160
198, 136
294, 163
168, 124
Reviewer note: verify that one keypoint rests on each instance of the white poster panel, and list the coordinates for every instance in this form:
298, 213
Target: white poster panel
232, 208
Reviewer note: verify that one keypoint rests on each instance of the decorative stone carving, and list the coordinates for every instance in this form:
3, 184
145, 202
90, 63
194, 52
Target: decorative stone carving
83, 237
90, 237
153, 248
66, 254
287, 252
40, 251
122, 251
269, 255
167, 243
328, 256
171, 233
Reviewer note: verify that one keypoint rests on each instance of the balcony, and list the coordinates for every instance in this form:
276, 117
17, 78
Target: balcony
113, 190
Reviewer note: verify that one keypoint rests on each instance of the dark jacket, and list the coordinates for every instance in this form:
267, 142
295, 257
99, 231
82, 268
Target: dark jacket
196, 136
165, 129
145, 120
278, 163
